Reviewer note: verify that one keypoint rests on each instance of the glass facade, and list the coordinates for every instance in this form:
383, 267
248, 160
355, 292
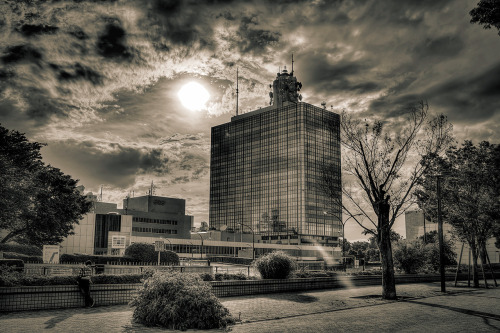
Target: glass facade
265, 172
103, 224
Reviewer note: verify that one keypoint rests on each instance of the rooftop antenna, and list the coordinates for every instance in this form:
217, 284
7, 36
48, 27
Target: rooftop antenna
237, 91
291, 73
100, 195
323, 104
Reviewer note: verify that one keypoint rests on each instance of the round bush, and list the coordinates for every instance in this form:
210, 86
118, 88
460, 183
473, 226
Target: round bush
275, 265
179, 301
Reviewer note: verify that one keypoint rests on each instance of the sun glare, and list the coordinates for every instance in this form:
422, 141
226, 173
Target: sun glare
193, 96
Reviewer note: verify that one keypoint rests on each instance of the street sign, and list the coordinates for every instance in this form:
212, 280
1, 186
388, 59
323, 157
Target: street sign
159, 246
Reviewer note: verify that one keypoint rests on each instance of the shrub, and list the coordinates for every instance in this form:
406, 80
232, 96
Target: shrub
409, 256
179, 301
275, 265
169, 258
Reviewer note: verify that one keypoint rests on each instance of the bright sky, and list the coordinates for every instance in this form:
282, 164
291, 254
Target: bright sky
98, 81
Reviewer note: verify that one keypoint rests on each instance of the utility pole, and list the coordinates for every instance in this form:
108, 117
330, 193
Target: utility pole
440, 235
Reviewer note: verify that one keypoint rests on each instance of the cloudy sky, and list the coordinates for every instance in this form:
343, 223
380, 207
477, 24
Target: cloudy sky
98, 80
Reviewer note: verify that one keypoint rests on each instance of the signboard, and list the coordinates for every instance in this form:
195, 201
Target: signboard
118, 242
159, 246
51, 254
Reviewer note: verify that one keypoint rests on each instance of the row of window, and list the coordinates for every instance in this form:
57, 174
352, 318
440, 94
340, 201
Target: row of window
155, 230
157, 221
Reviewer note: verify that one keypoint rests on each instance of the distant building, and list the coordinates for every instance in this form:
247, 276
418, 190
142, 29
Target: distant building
266, 167
109, 230
417, 226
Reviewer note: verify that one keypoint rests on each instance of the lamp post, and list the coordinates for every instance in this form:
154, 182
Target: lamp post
199, 234
440, 235
253, 239
169, 243
192, 254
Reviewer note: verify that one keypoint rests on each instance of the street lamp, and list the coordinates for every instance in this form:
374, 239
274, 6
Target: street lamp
253, 239
169, 243
199, 234
343, 238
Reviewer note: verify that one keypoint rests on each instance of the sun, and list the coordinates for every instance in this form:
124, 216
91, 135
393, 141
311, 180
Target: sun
193, 96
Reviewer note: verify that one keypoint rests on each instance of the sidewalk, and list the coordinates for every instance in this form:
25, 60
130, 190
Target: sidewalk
421, 307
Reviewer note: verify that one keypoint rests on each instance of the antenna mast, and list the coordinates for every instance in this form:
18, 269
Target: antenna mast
292, 65
237, 91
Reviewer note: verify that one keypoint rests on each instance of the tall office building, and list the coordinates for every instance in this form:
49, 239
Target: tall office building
266, 170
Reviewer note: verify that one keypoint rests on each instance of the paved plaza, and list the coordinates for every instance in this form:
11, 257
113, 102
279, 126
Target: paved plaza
420, 308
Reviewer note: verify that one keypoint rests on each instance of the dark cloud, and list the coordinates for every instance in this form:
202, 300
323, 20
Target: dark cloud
252, 39
77, 72
469, 99
344, 75
19, 53
111, 44
440, 47
109, 163
30, 30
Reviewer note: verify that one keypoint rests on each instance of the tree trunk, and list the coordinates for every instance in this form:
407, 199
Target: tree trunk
388, 278
475, 274
384, 245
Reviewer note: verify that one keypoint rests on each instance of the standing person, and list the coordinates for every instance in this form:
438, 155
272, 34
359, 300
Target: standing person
84, 281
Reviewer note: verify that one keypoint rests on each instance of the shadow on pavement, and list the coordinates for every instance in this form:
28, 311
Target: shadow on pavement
293, 297
480, 314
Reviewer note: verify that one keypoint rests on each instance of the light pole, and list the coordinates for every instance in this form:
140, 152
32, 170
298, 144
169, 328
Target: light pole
199, 234
440, 235
192, 254
343, 238
169, 243
253, 239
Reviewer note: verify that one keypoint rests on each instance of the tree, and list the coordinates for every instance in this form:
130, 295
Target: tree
38, 203
144, 252
382, 163
470, 194
409, 256
487, 14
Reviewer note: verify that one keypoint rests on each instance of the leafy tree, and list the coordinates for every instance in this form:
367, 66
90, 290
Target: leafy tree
38, 203
487, 14
470, 194
382, 164
409, 256
144, 252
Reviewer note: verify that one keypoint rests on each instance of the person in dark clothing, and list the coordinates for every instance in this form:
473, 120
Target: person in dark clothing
84, 281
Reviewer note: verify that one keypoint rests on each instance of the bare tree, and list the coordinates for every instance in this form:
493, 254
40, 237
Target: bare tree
381, 165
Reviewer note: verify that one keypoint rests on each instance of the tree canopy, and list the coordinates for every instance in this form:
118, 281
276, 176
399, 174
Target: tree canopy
38, 203
470, 193
487, 14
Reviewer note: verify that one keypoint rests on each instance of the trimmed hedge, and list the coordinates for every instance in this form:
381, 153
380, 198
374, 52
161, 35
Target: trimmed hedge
223, 277
81, 258
11, 278
28, 250
23, 257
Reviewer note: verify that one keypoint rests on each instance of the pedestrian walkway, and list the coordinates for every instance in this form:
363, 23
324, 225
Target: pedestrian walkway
420, 307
